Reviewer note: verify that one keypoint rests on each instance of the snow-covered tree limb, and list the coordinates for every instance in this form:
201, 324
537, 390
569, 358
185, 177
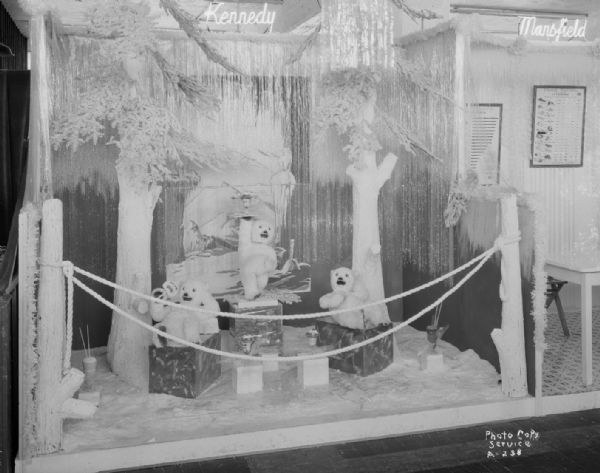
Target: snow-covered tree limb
413, 13
187, 24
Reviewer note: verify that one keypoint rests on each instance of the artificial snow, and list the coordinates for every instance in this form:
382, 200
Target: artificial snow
129, 417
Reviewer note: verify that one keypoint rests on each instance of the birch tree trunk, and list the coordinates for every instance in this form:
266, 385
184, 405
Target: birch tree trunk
128, 342
367, 181
510, 339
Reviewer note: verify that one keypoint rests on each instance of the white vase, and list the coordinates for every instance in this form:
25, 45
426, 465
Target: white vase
89, 365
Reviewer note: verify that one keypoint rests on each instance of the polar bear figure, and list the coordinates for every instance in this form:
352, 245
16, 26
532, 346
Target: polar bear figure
257, 257
186, 324
168, 292
347, 292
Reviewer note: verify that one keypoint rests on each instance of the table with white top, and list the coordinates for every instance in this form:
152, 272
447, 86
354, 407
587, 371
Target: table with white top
587, 276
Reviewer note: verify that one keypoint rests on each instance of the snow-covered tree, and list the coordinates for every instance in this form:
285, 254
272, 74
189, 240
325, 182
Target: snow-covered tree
152, 148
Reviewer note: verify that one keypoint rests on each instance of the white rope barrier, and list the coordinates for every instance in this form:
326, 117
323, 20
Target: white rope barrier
68, 272
487, 255
312, 315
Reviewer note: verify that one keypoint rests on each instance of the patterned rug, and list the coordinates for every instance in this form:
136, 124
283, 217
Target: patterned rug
562, 359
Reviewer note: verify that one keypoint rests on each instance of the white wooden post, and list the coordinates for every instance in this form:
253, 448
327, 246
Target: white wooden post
55, 388
510, 339
29, 250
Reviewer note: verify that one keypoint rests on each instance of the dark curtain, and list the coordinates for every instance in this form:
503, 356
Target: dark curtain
475, 309
12, 37
14, 118
14, 114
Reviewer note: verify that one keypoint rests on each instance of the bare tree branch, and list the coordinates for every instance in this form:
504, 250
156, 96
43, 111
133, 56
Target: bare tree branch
187, 24
415, 14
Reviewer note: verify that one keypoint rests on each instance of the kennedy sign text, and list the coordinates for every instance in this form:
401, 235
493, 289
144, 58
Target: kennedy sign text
214, 14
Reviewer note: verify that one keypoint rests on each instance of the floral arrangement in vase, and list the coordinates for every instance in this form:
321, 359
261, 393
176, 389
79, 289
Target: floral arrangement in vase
434, 331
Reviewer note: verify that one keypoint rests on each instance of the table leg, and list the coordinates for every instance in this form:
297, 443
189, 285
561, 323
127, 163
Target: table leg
586, 330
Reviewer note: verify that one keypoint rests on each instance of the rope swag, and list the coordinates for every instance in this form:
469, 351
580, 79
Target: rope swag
132, 318
312, 315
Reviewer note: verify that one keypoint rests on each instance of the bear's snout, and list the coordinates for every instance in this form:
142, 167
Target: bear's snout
264, 234
341, 281
186, 297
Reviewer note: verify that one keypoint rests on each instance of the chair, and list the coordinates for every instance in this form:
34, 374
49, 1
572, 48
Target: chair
553, 288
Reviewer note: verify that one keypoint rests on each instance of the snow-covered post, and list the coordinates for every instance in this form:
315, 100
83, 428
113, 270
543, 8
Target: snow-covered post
510, 339
367, 181
55, 389
29, 252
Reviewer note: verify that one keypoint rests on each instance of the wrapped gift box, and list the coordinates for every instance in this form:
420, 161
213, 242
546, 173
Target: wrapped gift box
183, 371
363, 361
269, 332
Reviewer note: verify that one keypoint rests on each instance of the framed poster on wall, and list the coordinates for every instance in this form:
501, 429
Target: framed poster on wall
485, 140
558, 126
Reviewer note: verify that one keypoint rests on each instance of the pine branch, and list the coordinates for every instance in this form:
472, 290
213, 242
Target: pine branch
191, 87
408, 141
187, 24
408, 69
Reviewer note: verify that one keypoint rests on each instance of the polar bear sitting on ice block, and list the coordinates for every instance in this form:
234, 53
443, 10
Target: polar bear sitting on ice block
347, 292
258, 259
186, 324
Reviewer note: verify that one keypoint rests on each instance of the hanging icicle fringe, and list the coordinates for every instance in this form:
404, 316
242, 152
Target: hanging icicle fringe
538, 294
479, 223
186, 23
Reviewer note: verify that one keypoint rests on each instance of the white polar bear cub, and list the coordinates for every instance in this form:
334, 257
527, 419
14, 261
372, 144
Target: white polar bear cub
186, 324
347, 292
258, 259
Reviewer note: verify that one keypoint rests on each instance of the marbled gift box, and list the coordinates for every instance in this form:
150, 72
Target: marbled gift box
363, 361
183, 371
270, 331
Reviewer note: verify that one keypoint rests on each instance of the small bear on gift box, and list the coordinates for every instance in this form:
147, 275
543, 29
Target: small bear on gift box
348, 291
185, 324
258, 259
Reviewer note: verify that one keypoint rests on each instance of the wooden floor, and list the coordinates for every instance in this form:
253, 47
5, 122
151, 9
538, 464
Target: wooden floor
558, 443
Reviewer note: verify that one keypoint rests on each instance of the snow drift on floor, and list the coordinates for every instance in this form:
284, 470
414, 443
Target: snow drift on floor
128, 417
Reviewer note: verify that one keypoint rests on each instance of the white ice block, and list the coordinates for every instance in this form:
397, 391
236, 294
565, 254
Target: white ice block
270, 366
313, 372
90, 396
432, 362
247, 377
